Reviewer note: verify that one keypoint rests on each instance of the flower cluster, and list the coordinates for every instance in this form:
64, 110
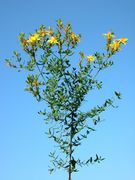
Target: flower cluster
112, 44
47, 37
61, 42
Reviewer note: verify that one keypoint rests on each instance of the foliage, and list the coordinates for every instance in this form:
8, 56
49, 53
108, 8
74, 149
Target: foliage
53, 79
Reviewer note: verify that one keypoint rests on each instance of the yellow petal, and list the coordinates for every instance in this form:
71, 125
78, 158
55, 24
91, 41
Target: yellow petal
52, 40
75, 37
90, 58
33, 38
123, 40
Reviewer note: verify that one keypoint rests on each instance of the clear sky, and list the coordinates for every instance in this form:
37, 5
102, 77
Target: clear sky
24, 147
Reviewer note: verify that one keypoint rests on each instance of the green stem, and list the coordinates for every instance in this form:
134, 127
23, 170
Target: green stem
70, 151
70, 158
40, 71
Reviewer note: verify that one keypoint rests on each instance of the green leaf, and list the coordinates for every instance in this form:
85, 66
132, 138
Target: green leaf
118, 94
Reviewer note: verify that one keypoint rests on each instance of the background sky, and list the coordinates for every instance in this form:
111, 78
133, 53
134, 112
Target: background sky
24, 147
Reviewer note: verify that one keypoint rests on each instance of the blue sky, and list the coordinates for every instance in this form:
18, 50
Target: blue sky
24, 147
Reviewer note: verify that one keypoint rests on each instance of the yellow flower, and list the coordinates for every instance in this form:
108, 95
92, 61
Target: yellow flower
90, 58
115, 46
123, 40
109, 35
33, 38
75, 37
52, 40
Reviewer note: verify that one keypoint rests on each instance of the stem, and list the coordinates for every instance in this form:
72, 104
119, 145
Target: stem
40, 71
70, 158
70, 151
100, 68
55, 55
